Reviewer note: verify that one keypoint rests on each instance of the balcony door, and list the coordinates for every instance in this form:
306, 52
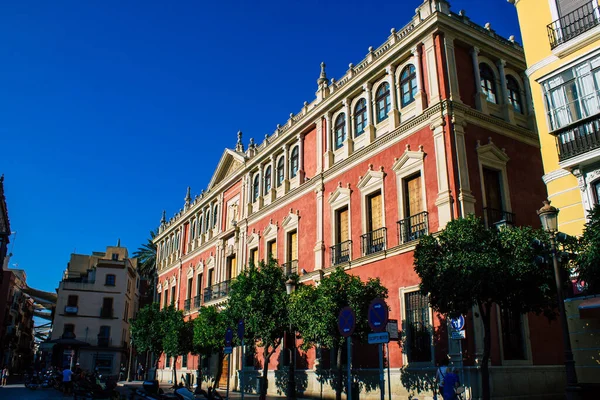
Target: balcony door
413, 193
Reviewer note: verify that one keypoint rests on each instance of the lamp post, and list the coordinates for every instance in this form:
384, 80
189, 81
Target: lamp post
549, 218
130, 359
290, 286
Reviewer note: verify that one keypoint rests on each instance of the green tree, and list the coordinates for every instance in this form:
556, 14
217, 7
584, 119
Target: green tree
314, 312
258, 295
146, 255
587, 262
209, 336
147, 330
468, 266
178, 335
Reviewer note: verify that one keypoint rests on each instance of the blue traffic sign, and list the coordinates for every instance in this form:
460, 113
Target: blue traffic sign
457, 323
346, 322
241, 328
378, 315
228, 336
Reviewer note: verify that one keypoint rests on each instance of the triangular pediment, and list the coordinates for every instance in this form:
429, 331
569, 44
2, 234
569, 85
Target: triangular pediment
230, 162
492, 153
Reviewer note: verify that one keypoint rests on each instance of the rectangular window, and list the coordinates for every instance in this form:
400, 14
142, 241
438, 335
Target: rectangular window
168, 362
72, 301
493, 189
190, 283
184, 361
126, 313
413, 196
110, 280
254, 256
374, 212
115, 257
107, 308
231, 267
271, 249
292, 250
173, 295
513, 342
69, 330
198, 284
417, 325
341, 225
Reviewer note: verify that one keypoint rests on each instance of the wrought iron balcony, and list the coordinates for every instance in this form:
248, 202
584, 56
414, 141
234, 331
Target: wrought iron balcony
340, 253
186, 304
495, 217
374, 241
197, 301
573, 24
578, 138
217, 291
290, 267
413, 227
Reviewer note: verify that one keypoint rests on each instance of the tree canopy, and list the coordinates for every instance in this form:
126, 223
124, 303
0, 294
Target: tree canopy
147, 330
587, 262
146, 255
209, 334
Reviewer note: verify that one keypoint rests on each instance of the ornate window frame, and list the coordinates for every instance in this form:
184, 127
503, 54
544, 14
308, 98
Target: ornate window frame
526, 340
491, 156
270, 234
289, 224
410, 163
402, 291
338, 199
368, 184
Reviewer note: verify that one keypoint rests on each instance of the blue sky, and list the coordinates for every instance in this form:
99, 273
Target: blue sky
109, 110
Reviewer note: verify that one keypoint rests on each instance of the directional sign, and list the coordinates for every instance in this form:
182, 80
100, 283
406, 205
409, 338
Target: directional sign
228, 336
380, 337
228, 350
346, 322
378, 315
241, 329
457, 335
458, 323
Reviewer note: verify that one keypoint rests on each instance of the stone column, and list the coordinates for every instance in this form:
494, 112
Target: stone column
301, 173
319, 126
451, 65
465, 196
328, 132
319, 248
444, 197
286, 168
420, 92
394, 114
272, 195
432, 74
480, 99
370, 128
505, 104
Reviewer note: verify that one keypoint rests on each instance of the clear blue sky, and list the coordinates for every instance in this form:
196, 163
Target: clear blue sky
109, 110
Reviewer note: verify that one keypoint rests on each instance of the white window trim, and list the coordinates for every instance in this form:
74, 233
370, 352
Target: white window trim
368, 184
403, 291
408, 165
289, 224
409, 110
190, 272
338, 199
526, 339
270, 234
491, 156
256, 175
381, 125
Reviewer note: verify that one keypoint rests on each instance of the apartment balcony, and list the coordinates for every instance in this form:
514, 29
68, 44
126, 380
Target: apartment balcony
187, 304
495, 217
373, 242
573, 24
216, 292
413, 227
197, 301
290, 268
106, 312
340, 253
578, 138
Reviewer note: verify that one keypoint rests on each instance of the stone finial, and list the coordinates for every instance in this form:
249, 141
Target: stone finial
490, 141
119, 242
188, 196
350, 66
393, 30
323, 76
511, 38
462, 13
488, 26
163, 219
370, 167
370, 49
239, 147
407, 147
421, 148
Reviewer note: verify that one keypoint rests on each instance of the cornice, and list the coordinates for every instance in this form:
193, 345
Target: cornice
554, 175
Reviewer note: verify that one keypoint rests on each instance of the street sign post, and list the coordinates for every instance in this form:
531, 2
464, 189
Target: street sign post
241, 330
457, 332
346, 326
378, 319
228, 336
228, 350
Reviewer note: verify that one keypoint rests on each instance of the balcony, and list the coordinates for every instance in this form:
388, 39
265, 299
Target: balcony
290, 268
340, 253
413, 227
106, 312
186, 304
578, 138
373, 242
197, 301
217, 291
494, 217
573, 24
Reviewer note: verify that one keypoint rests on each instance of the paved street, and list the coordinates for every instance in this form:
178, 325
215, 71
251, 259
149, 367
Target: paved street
18, 392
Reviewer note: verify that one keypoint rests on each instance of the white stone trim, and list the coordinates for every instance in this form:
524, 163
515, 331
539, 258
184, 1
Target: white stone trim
544, 62
554, 175
491, 156
270, 233
289, 224
368, 184
402, 291
338, 199
410, 163
526, 339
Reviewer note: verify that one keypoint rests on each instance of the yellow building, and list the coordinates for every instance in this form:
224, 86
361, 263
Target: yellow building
561, 39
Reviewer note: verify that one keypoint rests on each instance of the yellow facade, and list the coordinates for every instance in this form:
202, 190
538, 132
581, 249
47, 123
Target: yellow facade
567, 192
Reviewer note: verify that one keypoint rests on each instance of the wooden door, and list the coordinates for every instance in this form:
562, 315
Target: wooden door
375, 212
414, 196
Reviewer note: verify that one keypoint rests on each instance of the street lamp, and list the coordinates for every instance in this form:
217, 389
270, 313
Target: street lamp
549, 218
290, 286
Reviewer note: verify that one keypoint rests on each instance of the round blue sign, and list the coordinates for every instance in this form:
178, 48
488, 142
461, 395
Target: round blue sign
346, 322
457, 323
241, 329
378, 315
228, 336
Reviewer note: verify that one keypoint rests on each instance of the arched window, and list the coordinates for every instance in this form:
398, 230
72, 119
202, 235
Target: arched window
280, 171
382, 99
177, 241
267, 179
215, 215
294, 163
255, 187
514, 93
360, 117
340, 130
408, 85
488, 82
200, 226
207, 220
193, 230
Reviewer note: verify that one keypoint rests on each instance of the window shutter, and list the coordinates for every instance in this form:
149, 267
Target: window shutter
493, 189
375, 214
293, 246
568, 6
414, 196
273, 249
343, 226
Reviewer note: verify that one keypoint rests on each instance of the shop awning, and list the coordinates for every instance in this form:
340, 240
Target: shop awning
590, 308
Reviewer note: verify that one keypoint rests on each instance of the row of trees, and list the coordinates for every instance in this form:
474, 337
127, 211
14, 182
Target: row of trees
259, 296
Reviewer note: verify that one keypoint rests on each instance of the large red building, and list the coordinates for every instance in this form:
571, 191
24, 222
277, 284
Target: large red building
434, 124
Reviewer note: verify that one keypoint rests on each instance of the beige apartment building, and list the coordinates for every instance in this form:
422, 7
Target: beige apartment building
97, 296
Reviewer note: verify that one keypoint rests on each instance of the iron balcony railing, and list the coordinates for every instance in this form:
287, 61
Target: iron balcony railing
372, 242
578, 138
186, 304
494, 216
217, 291
290, 268
106, 312
573, 24
340, 253
413, 227
197, 301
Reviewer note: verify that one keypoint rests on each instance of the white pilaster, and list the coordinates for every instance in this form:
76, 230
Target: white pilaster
420, 92
301, 172
480, 100
370, 128
431, 62
394, 114
348, 143
444, 197
465, 196
506, 106
319, 245
319, 129
328, 133
451, 65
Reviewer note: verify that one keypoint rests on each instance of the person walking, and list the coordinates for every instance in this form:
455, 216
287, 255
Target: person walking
440, 373
451, 382
140, 372
4, 375
67, 380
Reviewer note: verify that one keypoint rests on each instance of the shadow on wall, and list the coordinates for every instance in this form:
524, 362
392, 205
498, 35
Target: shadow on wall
281, 376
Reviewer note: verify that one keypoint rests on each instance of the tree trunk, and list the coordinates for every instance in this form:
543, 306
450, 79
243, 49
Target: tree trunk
338, 373
174, 371
265, 378
485, 310
219, 369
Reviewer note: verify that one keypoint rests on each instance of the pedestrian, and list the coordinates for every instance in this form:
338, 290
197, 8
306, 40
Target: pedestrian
122, 371
451, 382
140, 372
440, 373
4, 375
67, 381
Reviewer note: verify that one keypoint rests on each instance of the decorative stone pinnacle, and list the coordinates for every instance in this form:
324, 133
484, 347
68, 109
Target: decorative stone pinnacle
421, 148
323, 76
350, 65
488, 26
407, 147
370, 49
393, 30
239, 145
163, 219
188, 196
